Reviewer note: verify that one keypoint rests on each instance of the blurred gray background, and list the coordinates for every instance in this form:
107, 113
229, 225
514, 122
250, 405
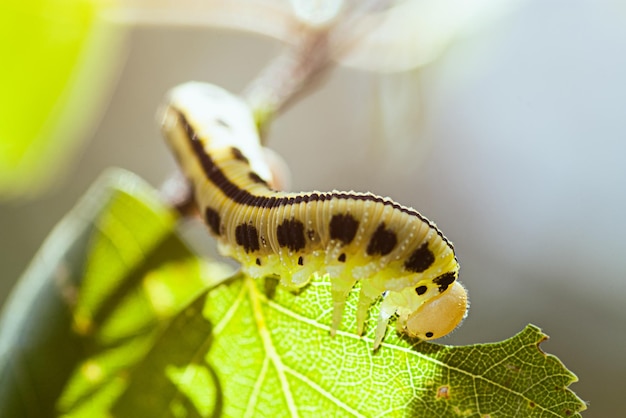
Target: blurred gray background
513, 142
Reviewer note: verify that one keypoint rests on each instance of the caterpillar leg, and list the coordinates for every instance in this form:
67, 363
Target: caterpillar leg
381, 329
387, 310
365, 301
340, 288
302, 275
371, 290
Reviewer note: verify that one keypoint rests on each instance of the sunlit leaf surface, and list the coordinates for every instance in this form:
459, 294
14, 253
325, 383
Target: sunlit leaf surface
94, 299
273, 356
135, 334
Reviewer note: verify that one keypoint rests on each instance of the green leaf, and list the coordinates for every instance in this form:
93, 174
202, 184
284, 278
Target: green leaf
274, 356
137, 336
94, 299
58, 60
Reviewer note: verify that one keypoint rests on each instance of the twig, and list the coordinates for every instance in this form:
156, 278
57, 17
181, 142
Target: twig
301, 67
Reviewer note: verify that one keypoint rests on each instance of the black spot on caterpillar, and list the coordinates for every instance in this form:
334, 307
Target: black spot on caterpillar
444, 281
247, 237
382, 241
343, 227
393, 251
212, 219
290, 234
420, 259
256, 178
237, 154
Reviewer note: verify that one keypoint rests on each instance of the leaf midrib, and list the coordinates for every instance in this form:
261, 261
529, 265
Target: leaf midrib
406, 350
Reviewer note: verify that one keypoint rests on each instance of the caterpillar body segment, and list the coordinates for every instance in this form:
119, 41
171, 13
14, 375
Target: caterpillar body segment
392, 250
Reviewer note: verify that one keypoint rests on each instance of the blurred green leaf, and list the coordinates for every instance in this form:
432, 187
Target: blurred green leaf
58, 59
94, 299
134, 334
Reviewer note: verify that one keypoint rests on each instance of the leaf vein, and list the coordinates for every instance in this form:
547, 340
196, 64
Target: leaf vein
257, 389
221, 325
323, 392
266, 338
411, 352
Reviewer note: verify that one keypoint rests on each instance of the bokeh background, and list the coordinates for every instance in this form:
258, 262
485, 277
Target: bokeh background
512, 140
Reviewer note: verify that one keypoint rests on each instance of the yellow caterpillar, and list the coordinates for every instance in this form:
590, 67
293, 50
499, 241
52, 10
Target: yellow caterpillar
392, 250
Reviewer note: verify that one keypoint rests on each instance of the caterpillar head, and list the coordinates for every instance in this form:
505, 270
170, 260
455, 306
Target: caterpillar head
440, 315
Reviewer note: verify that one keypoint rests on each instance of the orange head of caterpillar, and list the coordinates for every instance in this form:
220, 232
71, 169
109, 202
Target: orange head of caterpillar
440, 315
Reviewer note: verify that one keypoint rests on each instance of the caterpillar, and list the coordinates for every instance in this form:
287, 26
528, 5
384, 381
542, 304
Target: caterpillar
392, 250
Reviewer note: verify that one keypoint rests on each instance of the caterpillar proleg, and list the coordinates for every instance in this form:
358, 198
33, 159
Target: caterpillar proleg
393, 251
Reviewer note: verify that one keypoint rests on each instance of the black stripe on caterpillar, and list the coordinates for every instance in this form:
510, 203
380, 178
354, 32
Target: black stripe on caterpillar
393, 251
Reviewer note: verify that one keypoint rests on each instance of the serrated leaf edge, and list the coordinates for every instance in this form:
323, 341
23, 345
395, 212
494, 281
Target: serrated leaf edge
260, 298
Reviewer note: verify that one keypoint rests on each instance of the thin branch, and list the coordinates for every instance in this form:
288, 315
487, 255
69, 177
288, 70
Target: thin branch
302, 66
